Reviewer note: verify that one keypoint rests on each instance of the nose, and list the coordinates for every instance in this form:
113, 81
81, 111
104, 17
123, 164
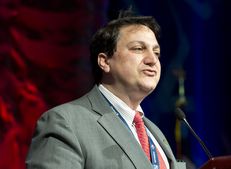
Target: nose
151, 58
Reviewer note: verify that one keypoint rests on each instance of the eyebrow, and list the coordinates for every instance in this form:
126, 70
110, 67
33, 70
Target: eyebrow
143, 43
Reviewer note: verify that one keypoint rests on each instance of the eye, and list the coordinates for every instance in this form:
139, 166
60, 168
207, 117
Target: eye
138, 49
156, 51
157, 54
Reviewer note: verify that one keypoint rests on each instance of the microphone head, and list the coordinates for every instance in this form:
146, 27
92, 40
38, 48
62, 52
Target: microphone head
180, 114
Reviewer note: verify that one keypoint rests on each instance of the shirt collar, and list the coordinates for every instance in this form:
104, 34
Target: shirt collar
125, 111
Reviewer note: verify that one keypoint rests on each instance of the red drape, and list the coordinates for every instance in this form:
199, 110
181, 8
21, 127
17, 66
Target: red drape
44, 61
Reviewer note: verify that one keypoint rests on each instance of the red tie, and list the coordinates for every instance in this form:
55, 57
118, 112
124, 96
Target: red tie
142, 135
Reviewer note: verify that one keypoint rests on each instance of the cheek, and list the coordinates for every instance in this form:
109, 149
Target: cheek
159, 67
127, 63
128, 70
133, 66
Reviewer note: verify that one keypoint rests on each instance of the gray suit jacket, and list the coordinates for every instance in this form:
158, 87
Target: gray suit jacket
87, 134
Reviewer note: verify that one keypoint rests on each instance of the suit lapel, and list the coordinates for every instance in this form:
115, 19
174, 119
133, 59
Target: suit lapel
118, 130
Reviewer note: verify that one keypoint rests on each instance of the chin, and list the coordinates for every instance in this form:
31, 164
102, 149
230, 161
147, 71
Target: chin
148, 88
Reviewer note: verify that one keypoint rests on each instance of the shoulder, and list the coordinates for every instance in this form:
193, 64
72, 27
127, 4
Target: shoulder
82, 103
77, 110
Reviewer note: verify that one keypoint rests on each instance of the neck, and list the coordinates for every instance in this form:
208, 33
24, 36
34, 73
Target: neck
126, 96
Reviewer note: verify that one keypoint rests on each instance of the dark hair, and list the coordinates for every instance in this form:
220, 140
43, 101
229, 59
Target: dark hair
105, 39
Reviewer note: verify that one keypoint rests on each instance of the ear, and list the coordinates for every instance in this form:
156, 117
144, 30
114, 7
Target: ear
103, 62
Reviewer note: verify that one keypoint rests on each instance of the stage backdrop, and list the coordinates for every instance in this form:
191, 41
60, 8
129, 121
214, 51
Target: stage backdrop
44, 61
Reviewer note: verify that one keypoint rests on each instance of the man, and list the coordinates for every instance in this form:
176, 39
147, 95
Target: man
97, 131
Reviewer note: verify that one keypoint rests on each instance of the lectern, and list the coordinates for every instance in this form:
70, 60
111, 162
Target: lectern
222, 162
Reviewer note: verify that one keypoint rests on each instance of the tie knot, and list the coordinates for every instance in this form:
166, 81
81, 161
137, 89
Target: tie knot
138, 118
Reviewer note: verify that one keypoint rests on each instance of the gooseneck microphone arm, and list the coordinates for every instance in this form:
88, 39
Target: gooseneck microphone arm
181, 116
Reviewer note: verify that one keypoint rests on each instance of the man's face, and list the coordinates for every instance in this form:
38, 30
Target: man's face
135, 66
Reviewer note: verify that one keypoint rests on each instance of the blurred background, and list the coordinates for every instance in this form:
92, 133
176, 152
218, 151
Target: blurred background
44, 61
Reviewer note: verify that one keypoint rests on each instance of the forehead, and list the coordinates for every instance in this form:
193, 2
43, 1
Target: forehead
134, 28
133, 32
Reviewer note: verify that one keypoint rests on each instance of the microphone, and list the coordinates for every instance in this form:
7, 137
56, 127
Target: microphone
181, 116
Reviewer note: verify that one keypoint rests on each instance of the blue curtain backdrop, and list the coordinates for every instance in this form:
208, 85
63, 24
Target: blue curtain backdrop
194, 45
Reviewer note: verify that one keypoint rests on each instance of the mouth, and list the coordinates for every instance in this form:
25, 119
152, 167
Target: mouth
149, 72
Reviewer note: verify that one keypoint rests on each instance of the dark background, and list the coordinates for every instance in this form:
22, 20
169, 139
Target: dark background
44, 61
